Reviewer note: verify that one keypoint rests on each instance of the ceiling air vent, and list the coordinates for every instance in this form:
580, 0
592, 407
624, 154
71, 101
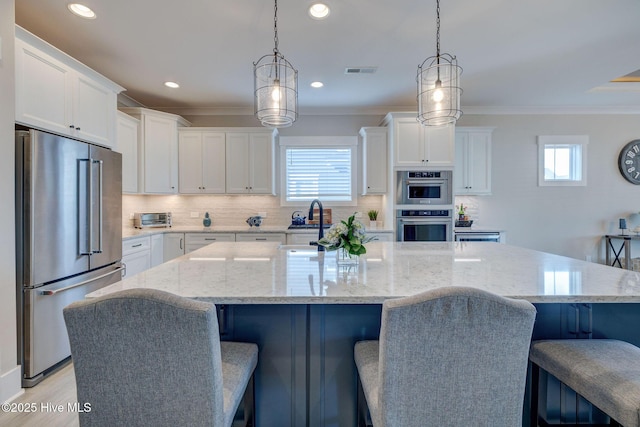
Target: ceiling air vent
360, 70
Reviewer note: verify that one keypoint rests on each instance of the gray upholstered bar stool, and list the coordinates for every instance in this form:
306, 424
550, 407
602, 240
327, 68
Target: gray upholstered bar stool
605, 372
448, 357
144, 357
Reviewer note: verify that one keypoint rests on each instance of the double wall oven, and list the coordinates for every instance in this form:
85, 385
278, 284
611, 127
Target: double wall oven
424, 206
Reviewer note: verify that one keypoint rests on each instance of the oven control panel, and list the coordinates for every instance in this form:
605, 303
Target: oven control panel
408, 213
425, 174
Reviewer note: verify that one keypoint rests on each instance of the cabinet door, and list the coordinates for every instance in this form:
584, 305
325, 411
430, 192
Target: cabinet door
439, 145
301, 238
173, 245
136, 263
127, 144
261, 163
190, 162
479, 163
237, 163
43, 90
460, 179
157, 250
94, 108
213, 161
374, 165
408, 142
160, 155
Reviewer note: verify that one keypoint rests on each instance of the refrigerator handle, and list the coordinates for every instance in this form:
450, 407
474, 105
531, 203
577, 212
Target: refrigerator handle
75, 285
89, 196
100, 163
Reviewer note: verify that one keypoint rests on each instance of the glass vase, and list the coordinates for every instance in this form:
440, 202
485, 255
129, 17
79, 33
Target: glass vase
345, 258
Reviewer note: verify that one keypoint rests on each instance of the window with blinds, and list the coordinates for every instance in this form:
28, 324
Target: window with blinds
318, 173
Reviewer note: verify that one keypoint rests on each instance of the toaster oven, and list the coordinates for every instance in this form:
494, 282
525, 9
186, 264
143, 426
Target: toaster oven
147, 219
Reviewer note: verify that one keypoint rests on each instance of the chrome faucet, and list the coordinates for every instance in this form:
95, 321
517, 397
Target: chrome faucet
320, 229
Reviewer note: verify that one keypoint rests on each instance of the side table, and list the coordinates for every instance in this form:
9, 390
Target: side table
617, 253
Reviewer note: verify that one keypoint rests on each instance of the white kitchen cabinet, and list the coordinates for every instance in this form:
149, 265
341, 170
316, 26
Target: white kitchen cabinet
374, 160
136, 255
415, 145
158, 150
261, 237
249, 162
127, 145
472, 172
201, 161
194, 241
157, 249
302, 238
174, 245
57, 93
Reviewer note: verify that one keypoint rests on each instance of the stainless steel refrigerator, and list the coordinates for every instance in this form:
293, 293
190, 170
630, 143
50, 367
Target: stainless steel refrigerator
68, 238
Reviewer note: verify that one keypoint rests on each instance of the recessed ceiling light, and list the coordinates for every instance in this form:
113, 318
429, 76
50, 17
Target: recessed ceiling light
81, 10
317, 84
172, 85
319, 11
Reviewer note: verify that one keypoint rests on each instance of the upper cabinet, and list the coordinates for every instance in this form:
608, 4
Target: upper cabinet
250, 162
201, 161
374, 160
158, 150
472, 172
127, 130
55, 92
415, 145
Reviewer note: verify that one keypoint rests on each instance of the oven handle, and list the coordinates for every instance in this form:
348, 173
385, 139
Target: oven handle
439, 181
424, 220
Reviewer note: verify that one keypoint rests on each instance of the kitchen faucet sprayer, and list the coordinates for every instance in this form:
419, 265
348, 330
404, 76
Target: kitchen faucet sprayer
320, 229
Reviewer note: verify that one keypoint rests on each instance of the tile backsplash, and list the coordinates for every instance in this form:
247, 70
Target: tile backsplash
233, 210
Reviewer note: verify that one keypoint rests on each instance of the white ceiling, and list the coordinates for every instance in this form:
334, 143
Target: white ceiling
516, 54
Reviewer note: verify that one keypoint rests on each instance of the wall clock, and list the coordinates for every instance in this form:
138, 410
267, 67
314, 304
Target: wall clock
629, 162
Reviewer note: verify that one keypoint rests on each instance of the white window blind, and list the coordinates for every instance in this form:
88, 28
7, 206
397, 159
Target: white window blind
323, 173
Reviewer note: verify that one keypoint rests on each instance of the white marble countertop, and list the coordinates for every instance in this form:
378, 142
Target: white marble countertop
265, 273
129, 233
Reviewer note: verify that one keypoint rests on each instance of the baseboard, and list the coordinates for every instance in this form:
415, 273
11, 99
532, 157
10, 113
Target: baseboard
10, 384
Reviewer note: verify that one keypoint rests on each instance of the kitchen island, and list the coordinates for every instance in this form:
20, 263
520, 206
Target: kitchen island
306, 312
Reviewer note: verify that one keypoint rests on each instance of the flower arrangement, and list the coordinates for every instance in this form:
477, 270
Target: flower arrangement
349, 235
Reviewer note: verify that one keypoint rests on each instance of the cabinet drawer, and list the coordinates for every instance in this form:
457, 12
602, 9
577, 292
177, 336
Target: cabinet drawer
263, 237
138, 244
135, 263
206, 238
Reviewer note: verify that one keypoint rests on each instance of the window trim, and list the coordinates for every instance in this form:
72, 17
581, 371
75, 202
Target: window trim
570, 140
350, 142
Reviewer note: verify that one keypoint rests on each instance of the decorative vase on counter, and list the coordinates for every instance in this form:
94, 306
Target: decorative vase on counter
207, 220
343, 257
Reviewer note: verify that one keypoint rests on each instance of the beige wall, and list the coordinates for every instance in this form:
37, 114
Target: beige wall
9, 371
562, 220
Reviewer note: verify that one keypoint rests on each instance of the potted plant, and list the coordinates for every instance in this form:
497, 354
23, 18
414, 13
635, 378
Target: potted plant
373, 219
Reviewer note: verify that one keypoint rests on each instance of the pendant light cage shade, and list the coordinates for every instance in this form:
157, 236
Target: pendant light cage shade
275, 91
439, 90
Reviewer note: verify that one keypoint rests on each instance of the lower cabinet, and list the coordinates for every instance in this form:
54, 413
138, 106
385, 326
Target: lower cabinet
381, 237
136, 255
173, 246
194, 241
301, 238
157, 250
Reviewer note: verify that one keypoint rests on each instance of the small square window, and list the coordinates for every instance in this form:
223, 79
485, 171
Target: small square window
562, 160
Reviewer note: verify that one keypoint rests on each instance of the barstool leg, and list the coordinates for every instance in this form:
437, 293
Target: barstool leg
535, 395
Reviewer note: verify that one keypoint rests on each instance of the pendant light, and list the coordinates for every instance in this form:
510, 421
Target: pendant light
439, 86
275, 86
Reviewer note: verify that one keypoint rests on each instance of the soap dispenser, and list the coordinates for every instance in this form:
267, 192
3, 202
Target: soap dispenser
207, 220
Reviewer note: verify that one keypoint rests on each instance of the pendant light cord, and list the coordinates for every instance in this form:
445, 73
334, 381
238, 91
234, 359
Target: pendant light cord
438, 28
275, 26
